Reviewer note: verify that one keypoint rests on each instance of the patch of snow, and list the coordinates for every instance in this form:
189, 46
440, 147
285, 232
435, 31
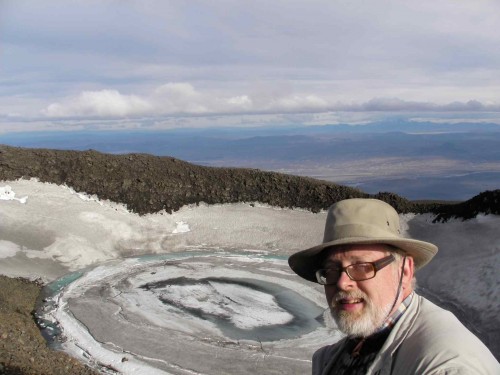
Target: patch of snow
7, 194
182, 227
83, 196
8, 249
246, 308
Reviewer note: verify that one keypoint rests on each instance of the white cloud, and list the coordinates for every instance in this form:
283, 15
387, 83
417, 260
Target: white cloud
174, 98
243, 102
178, 99
297, 103
103, 103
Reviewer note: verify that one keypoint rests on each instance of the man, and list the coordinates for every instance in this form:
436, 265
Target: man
367, 269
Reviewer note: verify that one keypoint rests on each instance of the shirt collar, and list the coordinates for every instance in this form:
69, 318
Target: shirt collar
394, 317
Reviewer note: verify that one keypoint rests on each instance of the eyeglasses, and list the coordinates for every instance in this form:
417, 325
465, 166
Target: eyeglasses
356, 271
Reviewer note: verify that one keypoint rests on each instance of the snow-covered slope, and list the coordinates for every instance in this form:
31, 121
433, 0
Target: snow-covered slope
229, 296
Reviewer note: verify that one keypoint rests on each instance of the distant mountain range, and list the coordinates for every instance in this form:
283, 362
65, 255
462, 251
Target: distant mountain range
418, 160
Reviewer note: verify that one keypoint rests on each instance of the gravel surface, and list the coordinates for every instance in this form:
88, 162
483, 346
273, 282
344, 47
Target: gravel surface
23, 350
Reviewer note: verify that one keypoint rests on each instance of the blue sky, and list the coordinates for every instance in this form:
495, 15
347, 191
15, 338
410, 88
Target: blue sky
123, 64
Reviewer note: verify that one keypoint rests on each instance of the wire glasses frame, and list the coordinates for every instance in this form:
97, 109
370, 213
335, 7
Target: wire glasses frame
356, 271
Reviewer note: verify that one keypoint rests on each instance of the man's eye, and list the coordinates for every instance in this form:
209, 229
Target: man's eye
334, 268
358, 264
366, 267
331, 272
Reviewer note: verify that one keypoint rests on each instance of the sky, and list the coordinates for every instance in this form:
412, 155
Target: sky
122, 64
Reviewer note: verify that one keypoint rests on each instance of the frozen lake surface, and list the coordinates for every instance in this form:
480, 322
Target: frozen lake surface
207, 290
210, 313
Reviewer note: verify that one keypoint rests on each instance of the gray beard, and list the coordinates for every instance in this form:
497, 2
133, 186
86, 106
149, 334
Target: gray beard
361, 324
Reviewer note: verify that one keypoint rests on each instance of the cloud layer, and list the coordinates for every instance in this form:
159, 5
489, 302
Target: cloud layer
116, 59
176, 99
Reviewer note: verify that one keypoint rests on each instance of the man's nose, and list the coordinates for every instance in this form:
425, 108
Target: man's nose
344, 282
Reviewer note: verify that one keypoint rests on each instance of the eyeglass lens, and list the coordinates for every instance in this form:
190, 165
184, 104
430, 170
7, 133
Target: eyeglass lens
356, 272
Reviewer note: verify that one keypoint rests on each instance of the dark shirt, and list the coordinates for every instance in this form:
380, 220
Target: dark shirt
356, 360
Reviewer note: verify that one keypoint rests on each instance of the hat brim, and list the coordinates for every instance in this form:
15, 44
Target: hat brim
305, 263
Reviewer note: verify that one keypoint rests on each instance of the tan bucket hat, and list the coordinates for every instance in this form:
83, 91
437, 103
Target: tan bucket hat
360, 221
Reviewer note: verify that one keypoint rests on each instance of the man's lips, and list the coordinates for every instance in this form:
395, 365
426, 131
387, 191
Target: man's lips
345, 301
350, 304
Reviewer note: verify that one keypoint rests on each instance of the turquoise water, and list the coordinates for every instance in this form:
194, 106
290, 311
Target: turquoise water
51, 331
57, 285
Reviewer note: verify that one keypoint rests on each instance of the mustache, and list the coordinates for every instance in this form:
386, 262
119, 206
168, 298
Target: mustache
340, 295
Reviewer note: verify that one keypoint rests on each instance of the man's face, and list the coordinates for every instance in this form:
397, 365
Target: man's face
360, 307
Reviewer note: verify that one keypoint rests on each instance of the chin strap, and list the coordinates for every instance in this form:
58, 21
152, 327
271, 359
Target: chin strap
398, 293
357, 348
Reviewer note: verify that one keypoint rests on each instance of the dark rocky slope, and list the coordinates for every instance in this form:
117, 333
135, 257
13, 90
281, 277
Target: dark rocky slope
23, 350
148, 183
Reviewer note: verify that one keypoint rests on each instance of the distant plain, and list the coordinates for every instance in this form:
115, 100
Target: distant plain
418, 161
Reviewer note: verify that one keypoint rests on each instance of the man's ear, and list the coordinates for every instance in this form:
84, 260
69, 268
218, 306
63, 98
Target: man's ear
408, 273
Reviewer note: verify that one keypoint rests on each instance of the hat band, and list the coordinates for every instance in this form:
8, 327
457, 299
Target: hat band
367, 231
